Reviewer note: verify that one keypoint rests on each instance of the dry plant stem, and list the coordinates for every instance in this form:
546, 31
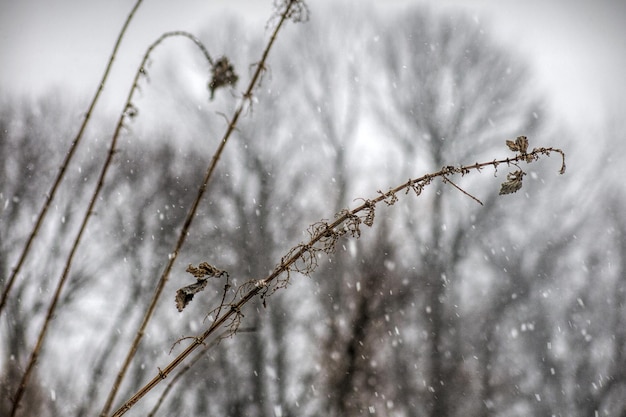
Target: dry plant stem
34, 354
129, 107
262, 284
87, 216
190, 216
447, 180
179, 375
187, 367
66, 161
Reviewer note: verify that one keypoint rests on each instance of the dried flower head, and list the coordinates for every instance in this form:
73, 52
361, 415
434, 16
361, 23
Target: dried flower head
223, 73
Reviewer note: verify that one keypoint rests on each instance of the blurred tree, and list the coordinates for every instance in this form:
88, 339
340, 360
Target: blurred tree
448, 94
28, 141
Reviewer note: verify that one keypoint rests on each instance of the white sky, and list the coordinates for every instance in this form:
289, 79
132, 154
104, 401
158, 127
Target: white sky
576, 47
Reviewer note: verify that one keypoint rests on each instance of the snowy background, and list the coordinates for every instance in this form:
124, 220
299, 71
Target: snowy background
443, 307
577, 48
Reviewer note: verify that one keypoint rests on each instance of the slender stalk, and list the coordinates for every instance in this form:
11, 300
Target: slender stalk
127, 112
189, 366
68, 157
66, 161
300, 252
260, 67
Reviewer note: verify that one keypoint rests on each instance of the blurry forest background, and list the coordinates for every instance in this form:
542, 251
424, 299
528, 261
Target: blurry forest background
443, 308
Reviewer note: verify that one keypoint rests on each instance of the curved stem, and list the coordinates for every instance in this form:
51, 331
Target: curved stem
321, 233
94, 198
191, 215
66, 161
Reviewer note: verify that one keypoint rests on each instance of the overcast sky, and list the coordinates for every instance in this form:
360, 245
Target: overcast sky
576, 47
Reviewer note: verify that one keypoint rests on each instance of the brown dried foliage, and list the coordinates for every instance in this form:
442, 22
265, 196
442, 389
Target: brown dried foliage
324, 235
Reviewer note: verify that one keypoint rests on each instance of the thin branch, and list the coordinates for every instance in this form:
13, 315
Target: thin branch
66, 161
287, 13
449, 181
35, 353
128, 112
190, 365
305, 251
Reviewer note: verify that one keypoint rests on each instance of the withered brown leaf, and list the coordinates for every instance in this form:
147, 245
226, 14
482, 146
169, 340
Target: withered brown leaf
185, 294
522, 143
205, 270
513, 182
202, 273
519, 145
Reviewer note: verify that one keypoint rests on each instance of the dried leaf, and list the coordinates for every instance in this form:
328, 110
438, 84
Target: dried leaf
185, 294
520, 145
513, 182
512, 145
202, 273
205, 270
